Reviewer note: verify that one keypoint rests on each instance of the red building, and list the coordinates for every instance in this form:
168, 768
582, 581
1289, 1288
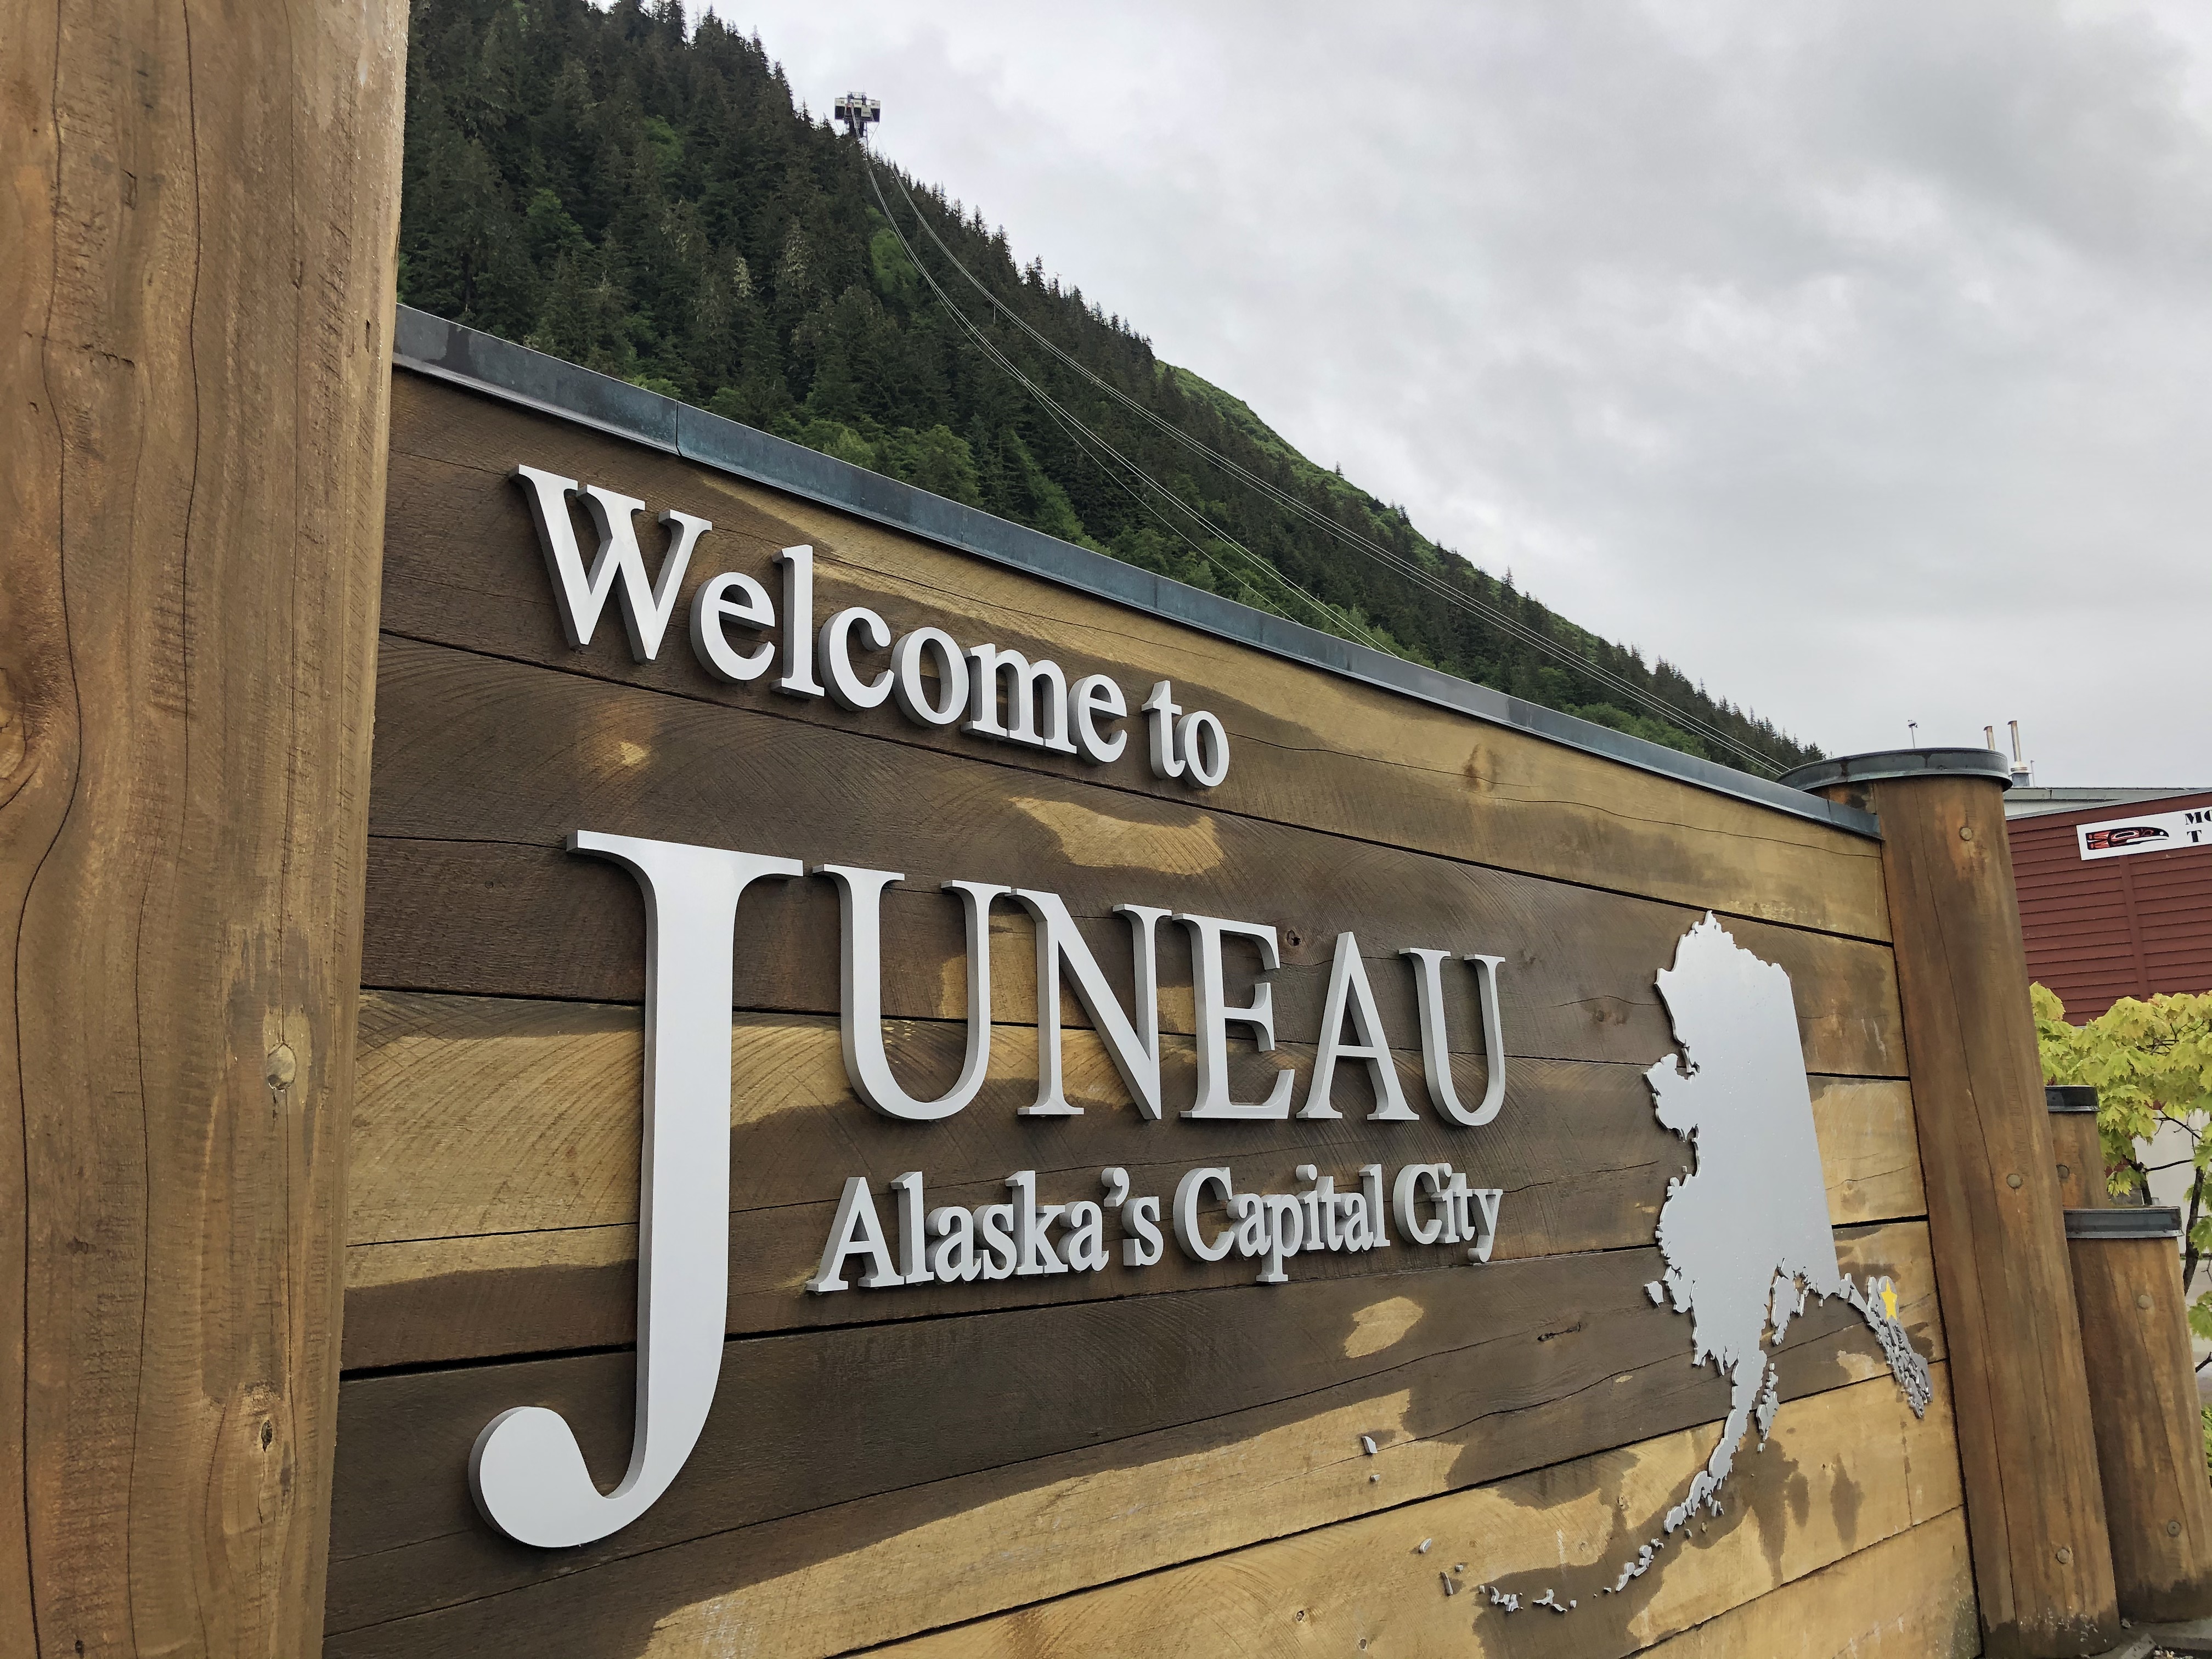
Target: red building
2115, 891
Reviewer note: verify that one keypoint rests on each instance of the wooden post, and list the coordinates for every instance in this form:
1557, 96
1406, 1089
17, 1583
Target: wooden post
2143, 1389
197, 270
2076, 1145
2035, 1509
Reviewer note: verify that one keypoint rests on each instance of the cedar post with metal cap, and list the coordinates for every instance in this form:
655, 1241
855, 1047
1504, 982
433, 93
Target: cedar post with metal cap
2135, 1342
2074, 1141
2035, 1507
2143, 1384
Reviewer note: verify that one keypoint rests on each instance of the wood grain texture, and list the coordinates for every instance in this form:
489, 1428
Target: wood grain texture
2079, 1153
1869, 1150
1842, 1472
195, 266
2034, 1510
1312, 749
1910, 1597
494, 1181
840, 1450
2150, 1444
483, 767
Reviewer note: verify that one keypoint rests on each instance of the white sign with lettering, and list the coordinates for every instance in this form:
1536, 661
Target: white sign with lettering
2153, 832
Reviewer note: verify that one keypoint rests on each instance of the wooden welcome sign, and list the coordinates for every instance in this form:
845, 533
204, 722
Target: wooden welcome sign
753, 1062
1290, 1267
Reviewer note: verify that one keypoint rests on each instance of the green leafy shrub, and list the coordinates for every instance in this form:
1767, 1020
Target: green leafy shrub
2151, 1065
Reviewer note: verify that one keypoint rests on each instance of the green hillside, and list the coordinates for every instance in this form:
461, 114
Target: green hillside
646, 198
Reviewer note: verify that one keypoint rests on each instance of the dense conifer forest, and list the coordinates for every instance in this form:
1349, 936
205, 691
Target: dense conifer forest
645, 197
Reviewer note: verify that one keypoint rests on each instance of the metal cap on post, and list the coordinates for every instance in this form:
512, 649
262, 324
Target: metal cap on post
1849, 779
2035, 1508
2074, 1144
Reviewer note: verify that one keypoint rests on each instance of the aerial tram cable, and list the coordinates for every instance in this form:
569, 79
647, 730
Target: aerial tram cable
1078, 432
1502, 620
1091, 446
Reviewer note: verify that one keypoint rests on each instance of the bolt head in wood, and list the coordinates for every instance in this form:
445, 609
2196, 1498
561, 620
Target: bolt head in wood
2065, 1555
2173, 1529
1965, 832
2142, 1299
2012, 1181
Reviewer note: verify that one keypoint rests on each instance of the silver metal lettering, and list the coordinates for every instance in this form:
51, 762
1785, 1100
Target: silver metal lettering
1436, 1049
856, 1229
1134, 1047
913, 1253
1215, 1015
952, 1258
1143, 1245
713, 610
581, 599
907, 684
1371, 1188
1483, 1228
1406, 1193
1285, 1224
798, 680
994, 1232
1349, 993
1204, 745
847, 687
1160, 706
861, 1023
1028, 686
1090, 698
1187, 1192
525, 1471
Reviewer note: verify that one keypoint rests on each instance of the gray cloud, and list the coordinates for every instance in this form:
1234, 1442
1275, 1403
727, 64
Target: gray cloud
1857, 358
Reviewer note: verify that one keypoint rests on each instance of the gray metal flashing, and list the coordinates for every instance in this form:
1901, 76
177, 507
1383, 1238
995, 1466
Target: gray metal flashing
2069, 1097
2045, 800
1900, 764
2125, 1221
484, 363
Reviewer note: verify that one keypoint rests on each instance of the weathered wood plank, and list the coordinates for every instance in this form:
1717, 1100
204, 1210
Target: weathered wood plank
1869, 1150
464, 569
196, 267
1910, 1597
493, 1180
1850, 1465
569, 1281
469, 891
487, 1114
1841, 1470
821, 1439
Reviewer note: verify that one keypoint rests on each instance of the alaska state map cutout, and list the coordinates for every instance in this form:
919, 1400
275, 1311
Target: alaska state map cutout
1744, 1235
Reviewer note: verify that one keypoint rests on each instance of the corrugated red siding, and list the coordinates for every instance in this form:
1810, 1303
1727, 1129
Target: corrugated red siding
2118, 927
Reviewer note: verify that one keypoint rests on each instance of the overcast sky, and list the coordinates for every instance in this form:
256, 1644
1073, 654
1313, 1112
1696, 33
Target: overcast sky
1856, 358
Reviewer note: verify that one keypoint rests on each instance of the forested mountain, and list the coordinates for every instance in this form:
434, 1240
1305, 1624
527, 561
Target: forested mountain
646, 198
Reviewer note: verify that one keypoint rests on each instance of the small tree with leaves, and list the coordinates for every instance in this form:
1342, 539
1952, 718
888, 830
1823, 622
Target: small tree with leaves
2151, 1065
